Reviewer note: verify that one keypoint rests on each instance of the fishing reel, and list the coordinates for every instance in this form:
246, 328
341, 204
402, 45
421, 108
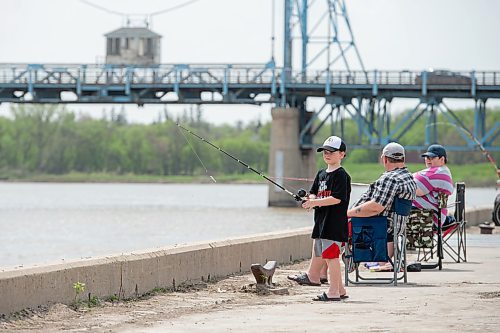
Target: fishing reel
301, 194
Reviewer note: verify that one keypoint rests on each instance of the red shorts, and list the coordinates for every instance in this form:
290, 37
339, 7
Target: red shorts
328, 249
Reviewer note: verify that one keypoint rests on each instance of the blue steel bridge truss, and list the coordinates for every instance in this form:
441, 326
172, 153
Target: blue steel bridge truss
364, 96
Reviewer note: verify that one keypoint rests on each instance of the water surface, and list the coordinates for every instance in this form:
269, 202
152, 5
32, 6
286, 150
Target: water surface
47, 222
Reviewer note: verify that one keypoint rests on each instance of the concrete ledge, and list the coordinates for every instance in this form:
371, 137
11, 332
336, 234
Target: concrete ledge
140, 272
477, 215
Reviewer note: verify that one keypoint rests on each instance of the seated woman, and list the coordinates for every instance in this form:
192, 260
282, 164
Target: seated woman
431, 181
434, 184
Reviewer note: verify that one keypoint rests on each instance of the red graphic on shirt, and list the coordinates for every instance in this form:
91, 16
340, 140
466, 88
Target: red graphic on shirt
324, 194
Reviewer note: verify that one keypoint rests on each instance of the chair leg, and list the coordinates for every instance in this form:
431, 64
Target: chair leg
465, 244
458, 253
405, 275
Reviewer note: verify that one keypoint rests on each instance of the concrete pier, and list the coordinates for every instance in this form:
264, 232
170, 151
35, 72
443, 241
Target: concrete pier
286, 159
139, 272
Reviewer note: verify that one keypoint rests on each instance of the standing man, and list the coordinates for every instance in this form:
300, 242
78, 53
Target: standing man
396, 181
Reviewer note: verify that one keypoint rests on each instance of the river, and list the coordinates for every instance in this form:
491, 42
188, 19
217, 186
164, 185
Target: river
51, 222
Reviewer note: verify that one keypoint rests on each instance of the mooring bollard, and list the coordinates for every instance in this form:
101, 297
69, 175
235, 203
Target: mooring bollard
486, 228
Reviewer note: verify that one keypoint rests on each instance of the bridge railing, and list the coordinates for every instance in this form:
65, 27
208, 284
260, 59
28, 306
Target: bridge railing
218, 74
112, 74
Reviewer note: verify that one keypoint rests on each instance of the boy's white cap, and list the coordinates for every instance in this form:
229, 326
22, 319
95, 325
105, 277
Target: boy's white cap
333, 143
394, 150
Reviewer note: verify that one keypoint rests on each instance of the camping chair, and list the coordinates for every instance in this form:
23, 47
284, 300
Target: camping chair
457, 229
422, 235
435, 241
368, 243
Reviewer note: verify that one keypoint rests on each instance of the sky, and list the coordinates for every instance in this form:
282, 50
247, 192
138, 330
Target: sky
461, 35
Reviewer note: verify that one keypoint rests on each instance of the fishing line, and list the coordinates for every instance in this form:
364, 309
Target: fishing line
311, 180
299, 197
199, 159
481, 147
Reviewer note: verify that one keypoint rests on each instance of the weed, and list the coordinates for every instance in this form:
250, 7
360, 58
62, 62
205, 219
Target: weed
112, 298
93, 301
79, 288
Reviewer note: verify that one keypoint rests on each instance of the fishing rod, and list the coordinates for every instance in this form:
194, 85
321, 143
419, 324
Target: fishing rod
311, 180
476, 141
298, 197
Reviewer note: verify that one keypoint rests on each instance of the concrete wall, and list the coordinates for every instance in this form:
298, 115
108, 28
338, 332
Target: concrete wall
138, 273
477, 215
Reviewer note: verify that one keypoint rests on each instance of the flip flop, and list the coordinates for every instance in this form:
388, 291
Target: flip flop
303, 280
344, 296
295, 277
324, 298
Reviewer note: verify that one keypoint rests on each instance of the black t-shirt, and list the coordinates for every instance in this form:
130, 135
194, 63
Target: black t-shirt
330, 222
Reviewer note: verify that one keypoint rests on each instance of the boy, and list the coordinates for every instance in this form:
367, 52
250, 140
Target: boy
329, 195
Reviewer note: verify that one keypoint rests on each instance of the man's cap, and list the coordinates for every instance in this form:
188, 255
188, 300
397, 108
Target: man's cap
394, 150
435, 151
333, 143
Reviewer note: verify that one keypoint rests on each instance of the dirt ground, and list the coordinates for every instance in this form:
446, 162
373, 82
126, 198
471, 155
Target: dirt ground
463, 297
231, 292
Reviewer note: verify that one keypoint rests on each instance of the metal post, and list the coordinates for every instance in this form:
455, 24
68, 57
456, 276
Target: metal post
305, 38
479, 119
287, 40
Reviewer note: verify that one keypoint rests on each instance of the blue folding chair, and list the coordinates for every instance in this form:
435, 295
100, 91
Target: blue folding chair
368, 243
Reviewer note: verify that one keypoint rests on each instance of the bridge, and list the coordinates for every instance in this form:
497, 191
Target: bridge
350, 91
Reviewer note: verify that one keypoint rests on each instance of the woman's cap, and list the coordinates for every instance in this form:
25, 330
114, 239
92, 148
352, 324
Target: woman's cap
435, 151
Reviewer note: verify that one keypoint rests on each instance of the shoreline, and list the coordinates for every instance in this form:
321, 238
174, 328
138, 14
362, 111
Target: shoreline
474, 175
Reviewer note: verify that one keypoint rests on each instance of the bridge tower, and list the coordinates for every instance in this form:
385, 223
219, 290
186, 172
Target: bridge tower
133, 46
317, 39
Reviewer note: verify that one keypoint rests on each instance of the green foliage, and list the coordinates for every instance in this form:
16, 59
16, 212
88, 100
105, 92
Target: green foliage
113, 298
79, 288
362, 156
50, 143
447, 133
365, 172
49, 140
93, 301
481, 174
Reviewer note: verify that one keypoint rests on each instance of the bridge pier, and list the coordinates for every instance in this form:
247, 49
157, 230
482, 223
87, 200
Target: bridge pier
286, 159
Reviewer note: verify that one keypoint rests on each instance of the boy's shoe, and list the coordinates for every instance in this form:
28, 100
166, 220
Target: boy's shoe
303, 280
324, 298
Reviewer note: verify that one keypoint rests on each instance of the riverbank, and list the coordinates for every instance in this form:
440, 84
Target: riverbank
81, 177
474, 175
463, 297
